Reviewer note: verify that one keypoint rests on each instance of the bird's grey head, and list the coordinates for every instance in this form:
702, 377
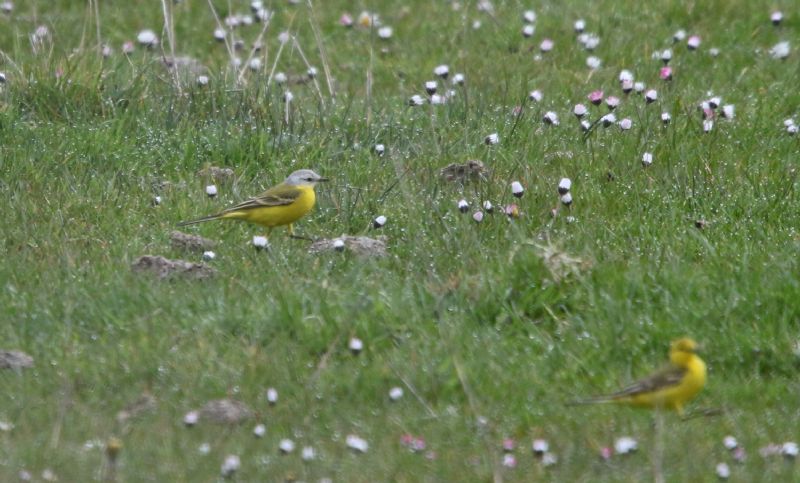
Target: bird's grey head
304, 177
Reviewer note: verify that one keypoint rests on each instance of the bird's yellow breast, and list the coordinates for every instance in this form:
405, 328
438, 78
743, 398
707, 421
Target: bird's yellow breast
272, 216
674, 397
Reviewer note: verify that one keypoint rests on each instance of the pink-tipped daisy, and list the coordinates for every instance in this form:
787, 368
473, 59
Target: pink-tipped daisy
608, 119
430, 87
528, 31
665, 73
627, 86
517, 190
593, 62
651, 96
551, 118
596, 97
579, 110
693, 43
612, 102
546, 45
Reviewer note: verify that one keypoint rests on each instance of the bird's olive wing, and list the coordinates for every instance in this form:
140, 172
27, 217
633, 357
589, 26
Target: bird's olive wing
278, 196
670, 376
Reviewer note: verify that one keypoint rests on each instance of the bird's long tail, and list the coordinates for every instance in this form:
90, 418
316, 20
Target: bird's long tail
200, 220
592, 400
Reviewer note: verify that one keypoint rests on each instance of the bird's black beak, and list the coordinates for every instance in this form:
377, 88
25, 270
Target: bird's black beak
322, 179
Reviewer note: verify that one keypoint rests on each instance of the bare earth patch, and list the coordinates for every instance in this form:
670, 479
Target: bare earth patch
219, 175
226, 411
165, 268
15, 360
360, 245
190, 243
473, 170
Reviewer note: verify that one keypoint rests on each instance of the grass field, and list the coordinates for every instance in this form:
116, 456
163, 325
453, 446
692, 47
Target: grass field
486, 337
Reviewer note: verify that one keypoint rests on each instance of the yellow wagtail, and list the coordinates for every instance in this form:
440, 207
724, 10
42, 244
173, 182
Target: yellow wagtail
670, 388
280, 205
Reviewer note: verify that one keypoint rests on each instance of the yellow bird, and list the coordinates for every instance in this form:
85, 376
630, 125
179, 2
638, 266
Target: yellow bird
670, 388
280, 205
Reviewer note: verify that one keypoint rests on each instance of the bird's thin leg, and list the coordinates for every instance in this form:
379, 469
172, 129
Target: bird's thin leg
658, 448
297, 237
